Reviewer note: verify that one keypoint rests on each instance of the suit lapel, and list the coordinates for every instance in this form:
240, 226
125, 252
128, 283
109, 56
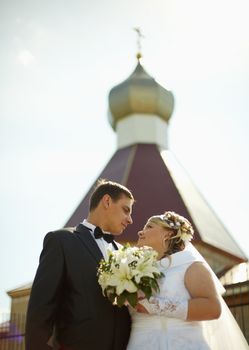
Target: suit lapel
115, 245
86, 238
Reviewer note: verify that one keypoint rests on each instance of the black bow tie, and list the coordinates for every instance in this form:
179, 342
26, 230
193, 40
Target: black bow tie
98, 233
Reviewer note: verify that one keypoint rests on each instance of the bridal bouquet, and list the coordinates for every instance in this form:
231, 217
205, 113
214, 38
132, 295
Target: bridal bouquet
128, 273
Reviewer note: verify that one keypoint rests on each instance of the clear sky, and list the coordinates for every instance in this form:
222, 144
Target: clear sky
58, 61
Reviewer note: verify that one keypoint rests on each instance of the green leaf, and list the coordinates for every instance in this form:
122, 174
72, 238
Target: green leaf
132, 299
121, 299
147, 291
154, 285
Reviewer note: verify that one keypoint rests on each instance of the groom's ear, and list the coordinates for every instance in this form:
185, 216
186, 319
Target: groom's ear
106, 201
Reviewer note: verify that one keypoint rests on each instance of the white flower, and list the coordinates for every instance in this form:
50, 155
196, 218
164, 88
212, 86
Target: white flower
127, 271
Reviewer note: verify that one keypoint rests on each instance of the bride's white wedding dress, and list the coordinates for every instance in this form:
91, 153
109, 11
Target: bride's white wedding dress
158, 332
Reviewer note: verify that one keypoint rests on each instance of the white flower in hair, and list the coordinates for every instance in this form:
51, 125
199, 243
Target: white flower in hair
184, 229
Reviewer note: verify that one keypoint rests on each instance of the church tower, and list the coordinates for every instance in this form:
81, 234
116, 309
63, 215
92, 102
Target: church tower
139, 112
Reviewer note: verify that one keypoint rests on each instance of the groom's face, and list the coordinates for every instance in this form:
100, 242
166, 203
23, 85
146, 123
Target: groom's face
118, 214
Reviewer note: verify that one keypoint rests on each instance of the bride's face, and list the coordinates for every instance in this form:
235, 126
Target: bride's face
153, 236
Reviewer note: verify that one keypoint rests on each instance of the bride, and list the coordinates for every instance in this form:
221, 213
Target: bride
179, 316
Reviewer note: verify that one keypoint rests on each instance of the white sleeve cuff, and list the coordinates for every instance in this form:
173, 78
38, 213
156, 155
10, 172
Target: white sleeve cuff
166, 307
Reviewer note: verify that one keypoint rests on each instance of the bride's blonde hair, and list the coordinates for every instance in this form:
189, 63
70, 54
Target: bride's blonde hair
181, 228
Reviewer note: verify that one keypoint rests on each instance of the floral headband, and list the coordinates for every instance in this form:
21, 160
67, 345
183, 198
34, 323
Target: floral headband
177, 222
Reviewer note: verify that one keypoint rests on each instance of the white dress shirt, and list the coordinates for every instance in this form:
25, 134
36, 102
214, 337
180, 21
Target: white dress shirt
102, 244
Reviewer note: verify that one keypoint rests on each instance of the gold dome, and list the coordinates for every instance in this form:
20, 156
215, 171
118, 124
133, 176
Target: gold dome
140, 93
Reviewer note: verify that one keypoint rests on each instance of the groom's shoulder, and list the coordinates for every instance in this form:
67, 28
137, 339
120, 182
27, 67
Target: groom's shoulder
63, 233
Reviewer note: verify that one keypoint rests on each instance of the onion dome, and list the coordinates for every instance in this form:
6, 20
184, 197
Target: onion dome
139, 94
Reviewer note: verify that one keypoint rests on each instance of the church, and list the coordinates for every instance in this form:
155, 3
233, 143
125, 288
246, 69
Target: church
139, 112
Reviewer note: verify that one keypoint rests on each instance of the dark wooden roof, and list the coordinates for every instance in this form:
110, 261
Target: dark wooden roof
158, 183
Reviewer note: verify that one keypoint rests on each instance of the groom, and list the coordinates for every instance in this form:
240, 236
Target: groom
65, 298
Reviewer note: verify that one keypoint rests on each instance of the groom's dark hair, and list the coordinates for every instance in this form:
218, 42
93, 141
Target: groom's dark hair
113, 189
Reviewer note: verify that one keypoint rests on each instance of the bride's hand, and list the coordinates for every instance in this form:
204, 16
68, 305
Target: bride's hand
141, 308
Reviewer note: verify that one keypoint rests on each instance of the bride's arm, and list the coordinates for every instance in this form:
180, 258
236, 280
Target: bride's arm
205, 302
203, 305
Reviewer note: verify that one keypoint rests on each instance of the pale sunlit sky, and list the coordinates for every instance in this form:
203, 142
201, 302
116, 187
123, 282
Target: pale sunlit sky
58, 61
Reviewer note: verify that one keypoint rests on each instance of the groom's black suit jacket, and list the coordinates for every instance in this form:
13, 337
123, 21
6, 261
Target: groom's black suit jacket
66, 296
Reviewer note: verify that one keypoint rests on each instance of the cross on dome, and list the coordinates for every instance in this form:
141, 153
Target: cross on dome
139, 46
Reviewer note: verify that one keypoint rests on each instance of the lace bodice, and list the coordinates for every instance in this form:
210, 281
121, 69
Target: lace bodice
156, 331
